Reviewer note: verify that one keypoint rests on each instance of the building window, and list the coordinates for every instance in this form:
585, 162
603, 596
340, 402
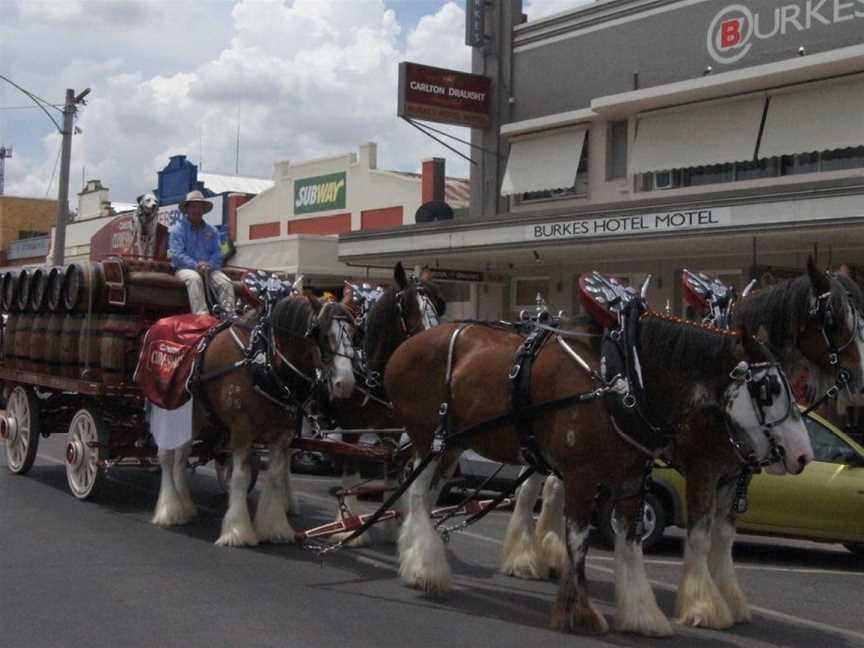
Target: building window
579, 189
787, 165
616, 150
525, 290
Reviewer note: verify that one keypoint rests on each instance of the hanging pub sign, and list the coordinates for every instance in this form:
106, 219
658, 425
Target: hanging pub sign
446, 96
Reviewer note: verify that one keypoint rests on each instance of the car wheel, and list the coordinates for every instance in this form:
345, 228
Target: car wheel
654, 519
856, 548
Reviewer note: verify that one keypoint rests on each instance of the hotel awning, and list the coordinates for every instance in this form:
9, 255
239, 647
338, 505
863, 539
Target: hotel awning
819, 117
544, 162
695, 135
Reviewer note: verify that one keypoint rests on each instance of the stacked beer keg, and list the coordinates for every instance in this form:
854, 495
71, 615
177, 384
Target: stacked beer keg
59, 322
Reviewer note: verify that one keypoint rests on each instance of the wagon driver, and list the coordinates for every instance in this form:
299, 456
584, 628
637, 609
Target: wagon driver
196, 256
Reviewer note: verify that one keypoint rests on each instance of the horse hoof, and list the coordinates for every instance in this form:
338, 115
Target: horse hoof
520, 559
238, 538
553, 554
653, 625
580, 620
703, 617
286, 535
170, 518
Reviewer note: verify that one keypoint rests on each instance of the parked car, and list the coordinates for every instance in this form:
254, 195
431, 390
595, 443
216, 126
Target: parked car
825, 503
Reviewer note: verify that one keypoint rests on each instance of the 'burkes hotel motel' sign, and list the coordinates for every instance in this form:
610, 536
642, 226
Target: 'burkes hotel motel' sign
447, 96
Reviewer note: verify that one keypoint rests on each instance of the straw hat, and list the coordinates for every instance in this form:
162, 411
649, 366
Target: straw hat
195, 197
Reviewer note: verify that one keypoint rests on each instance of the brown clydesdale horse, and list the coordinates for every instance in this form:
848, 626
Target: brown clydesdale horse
686, 368
406, 308
803, 332
306, 337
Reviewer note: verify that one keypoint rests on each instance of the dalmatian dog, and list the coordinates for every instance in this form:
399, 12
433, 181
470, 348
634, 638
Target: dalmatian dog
144, 225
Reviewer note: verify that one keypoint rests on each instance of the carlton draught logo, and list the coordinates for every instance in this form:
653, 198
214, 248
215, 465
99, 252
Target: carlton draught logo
734, 29
321, 193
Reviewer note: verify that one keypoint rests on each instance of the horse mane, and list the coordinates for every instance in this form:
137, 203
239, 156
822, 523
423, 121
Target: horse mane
376, 325
292, 316
782, 309
693, 349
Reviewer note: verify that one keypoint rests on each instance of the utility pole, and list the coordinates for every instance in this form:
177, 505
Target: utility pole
69, 109
5, 153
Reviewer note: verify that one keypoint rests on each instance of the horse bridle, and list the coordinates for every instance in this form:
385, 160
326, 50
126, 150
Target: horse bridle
429, 310
762, 391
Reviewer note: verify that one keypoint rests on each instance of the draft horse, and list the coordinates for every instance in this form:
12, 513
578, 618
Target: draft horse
810, 322
240, 400
409, 306
446, 381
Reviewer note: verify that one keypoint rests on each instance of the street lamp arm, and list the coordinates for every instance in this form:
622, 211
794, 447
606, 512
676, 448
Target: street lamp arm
37, 101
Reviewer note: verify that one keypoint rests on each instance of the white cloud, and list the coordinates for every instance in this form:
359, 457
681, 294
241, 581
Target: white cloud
308, 78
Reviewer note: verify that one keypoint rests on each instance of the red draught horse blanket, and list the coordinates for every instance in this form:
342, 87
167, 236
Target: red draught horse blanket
167, 357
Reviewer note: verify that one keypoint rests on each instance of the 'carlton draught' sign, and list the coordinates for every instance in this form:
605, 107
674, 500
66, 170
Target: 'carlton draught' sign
321, 193
435, 94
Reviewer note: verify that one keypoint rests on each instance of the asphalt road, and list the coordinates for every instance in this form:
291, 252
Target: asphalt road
99, 574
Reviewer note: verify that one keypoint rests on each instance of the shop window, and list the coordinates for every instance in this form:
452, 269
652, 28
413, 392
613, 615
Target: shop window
579, 189
454, 291
616, 150
816, 162
525, 290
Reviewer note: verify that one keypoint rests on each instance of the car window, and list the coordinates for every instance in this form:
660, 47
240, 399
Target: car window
827, 446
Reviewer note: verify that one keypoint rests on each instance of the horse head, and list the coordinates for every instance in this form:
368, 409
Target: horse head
760, 405
335, 334
409, 306
310, 336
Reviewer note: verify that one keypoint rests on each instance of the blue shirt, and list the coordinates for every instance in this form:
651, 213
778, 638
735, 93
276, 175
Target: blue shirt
188, 245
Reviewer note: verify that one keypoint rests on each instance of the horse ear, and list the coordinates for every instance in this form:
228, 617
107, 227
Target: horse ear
818, 279
399, 276
298, 286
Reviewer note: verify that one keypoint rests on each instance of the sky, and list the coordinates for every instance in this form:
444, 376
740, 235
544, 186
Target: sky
302, 79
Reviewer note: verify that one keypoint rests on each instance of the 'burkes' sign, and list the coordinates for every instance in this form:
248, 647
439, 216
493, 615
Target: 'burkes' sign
735, 28
447, 96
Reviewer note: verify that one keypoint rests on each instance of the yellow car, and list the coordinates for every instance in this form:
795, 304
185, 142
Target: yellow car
825, 503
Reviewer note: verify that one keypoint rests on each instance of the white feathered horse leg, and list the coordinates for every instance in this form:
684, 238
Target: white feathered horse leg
181, 479
638, 611
422, 559
520, 556
699, 601
271, 522
237, 528
549, 535
169, 507
720, 561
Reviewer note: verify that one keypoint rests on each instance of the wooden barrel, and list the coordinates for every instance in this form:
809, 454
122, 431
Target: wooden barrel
69, 344
39, 342
22, 342
38, 284
89, 347
4, 281
10, 294
52, 350
120, 345
82, 288
54, 289
9, 357
22, 290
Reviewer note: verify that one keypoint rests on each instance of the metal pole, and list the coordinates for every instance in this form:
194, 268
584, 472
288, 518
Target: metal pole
63, 189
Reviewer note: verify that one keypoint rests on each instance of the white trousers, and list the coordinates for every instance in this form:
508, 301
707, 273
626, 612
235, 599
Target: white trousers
220, 284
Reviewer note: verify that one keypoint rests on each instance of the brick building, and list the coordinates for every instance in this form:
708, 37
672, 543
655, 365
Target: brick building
24, 227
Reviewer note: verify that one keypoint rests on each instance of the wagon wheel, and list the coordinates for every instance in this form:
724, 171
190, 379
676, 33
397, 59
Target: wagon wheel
23, 426
225, 468
85, 450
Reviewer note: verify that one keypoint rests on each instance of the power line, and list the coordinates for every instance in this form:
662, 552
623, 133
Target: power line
25, 107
